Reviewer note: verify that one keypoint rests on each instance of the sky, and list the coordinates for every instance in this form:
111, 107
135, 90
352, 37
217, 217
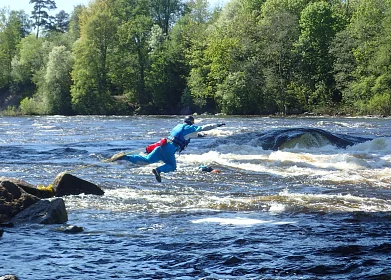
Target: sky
66, 5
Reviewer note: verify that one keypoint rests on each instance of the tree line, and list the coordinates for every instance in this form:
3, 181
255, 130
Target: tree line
169, 57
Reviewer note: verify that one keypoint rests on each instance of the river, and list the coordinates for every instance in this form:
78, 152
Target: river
305, 209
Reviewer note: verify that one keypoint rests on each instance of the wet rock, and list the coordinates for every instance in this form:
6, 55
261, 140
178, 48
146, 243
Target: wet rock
30, 189
43, 212
233, 261
13, 199
1, 232
9, 277
67, 184
73, 229
21, 201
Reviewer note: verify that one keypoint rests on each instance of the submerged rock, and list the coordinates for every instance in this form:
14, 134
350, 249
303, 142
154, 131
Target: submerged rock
73, 229
278, 139
67, 184
44, 212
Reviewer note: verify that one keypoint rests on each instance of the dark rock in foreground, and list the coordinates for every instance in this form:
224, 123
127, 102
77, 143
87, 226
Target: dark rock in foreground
17, 198
67, 184
13, 199
43, 212
40, 193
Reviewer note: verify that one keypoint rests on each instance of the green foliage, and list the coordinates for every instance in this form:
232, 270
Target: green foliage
318, 27
10, 36
280, 31
380, 104
161, 56
165, 13
166, 72
297, 97
129, 63
61, 21
74, 26
294, 7
40, 14
194, 32
10, 111
90, 91
317, 32
233, 94
27, 64
344, 65
239, 94
31, 106
370, 29
55, 89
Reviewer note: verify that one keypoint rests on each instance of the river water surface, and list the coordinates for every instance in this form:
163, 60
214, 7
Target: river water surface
304, 210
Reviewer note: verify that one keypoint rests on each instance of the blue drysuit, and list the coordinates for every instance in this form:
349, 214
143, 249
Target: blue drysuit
179, 138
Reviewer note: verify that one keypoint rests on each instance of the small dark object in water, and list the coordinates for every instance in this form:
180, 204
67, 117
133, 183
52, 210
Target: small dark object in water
205, 168
73, 229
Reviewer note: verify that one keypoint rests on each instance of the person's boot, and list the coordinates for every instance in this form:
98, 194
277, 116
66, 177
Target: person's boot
157, 175
118, 156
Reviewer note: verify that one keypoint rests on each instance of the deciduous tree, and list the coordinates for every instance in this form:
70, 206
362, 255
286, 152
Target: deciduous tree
55, 89
11, 32
90, 91
317, 32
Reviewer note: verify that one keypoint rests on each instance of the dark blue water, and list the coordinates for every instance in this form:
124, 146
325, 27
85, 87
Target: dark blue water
308, 210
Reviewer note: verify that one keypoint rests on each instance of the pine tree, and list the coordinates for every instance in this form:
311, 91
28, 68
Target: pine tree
40, 14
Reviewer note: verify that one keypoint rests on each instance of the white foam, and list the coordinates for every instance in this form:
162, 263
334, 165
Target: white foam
379, 144
239, 221
340, 202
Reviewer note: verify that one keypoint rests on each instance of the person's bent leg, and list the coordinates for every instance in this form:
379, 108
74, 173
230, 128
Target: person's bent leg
168, 157
152, 157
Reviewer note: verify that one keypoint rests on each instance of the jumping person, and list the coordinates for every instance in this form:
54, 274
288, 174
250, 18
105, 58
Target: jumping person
177, 141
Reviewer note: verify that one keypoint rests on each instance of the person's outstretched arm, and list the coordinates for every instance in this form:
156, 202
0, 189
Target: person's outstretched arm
195, 129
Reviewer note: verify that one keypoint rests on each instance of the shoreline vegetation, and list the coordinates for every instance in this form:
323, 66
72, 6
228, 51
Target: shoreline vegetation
153, 57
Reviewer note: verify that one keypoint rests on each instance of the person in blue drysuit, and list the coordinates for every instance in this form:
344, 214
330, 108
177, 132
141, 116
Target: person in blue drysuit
177, 141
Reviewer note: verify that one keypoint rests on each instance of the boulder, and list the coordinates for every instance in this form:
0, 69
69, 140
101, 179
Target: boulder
13, 200
43, 212
73, 229
41, 193
67, 184
17, 198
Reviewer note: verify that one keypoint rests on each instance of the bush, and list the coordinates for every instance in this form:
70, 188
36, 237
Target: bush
10, 111
380, 104
29, 106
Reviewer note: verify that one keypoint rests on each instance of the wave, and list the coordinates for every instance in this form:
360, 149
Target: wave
294, 137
